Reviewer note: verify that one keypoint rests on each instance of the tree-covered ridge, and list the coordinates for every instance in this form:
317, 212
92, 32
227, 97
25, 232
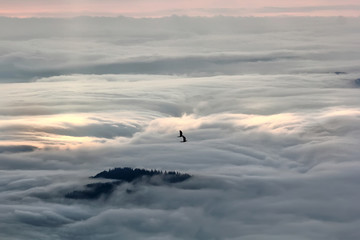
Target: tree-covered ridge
130, 174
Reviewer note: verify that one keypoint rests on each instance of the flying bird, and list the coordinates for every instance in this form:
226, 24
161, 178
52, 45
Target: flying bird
181, 135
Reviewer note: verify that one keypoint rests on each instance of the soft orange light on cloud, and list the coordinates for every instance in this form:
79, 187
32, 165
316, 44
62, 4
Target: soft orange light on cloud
157, 8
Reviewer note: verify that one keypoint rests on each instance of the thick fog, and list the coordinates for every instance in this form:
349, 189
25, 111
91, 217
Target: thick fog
270, 108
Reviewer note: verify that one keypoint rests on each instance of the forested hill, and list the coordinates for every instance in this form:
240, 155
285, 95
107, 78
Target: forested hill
130, 174
122, 175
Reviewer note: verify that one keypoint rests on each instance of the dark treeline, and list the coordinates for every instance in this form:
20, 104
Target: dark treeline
131, 174
121, 175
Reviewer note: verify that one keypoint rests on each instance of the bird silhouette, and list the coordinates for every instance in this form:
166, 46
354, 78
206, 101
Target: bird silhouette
181, 134
184, 138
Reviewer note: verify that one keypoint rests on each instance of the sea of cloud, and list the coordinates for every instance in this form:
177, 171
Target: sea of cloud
269, 107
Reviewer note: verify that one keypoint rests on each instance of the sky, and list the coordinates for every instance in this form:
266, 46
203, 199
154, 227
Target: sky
269, 106
160, 8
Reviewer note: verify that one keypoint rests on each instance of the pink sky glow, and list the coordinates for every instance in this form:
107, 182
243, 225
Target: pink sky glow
159, 8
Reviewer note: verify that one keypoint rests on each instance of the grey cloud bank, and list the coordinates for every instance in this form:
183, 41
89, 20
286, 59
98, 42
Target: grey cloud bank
34, 48
269, 106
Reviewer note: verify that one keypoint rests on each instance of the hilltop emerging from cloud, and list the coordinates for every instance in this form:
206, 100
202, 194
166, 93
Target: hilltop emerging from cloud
129, 175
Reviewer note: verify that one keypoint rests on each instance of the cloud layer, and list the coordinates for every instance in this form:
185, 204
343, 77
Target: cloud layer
176, 45
161, 8
269, 107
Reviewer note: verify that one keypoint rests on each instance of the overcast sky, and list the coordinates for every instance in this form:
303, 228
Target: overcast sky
158, 8
270, 108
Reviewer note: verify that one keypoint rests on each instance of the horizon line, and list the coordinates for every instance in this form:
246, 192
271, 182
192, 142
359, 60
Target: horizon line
177, 15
